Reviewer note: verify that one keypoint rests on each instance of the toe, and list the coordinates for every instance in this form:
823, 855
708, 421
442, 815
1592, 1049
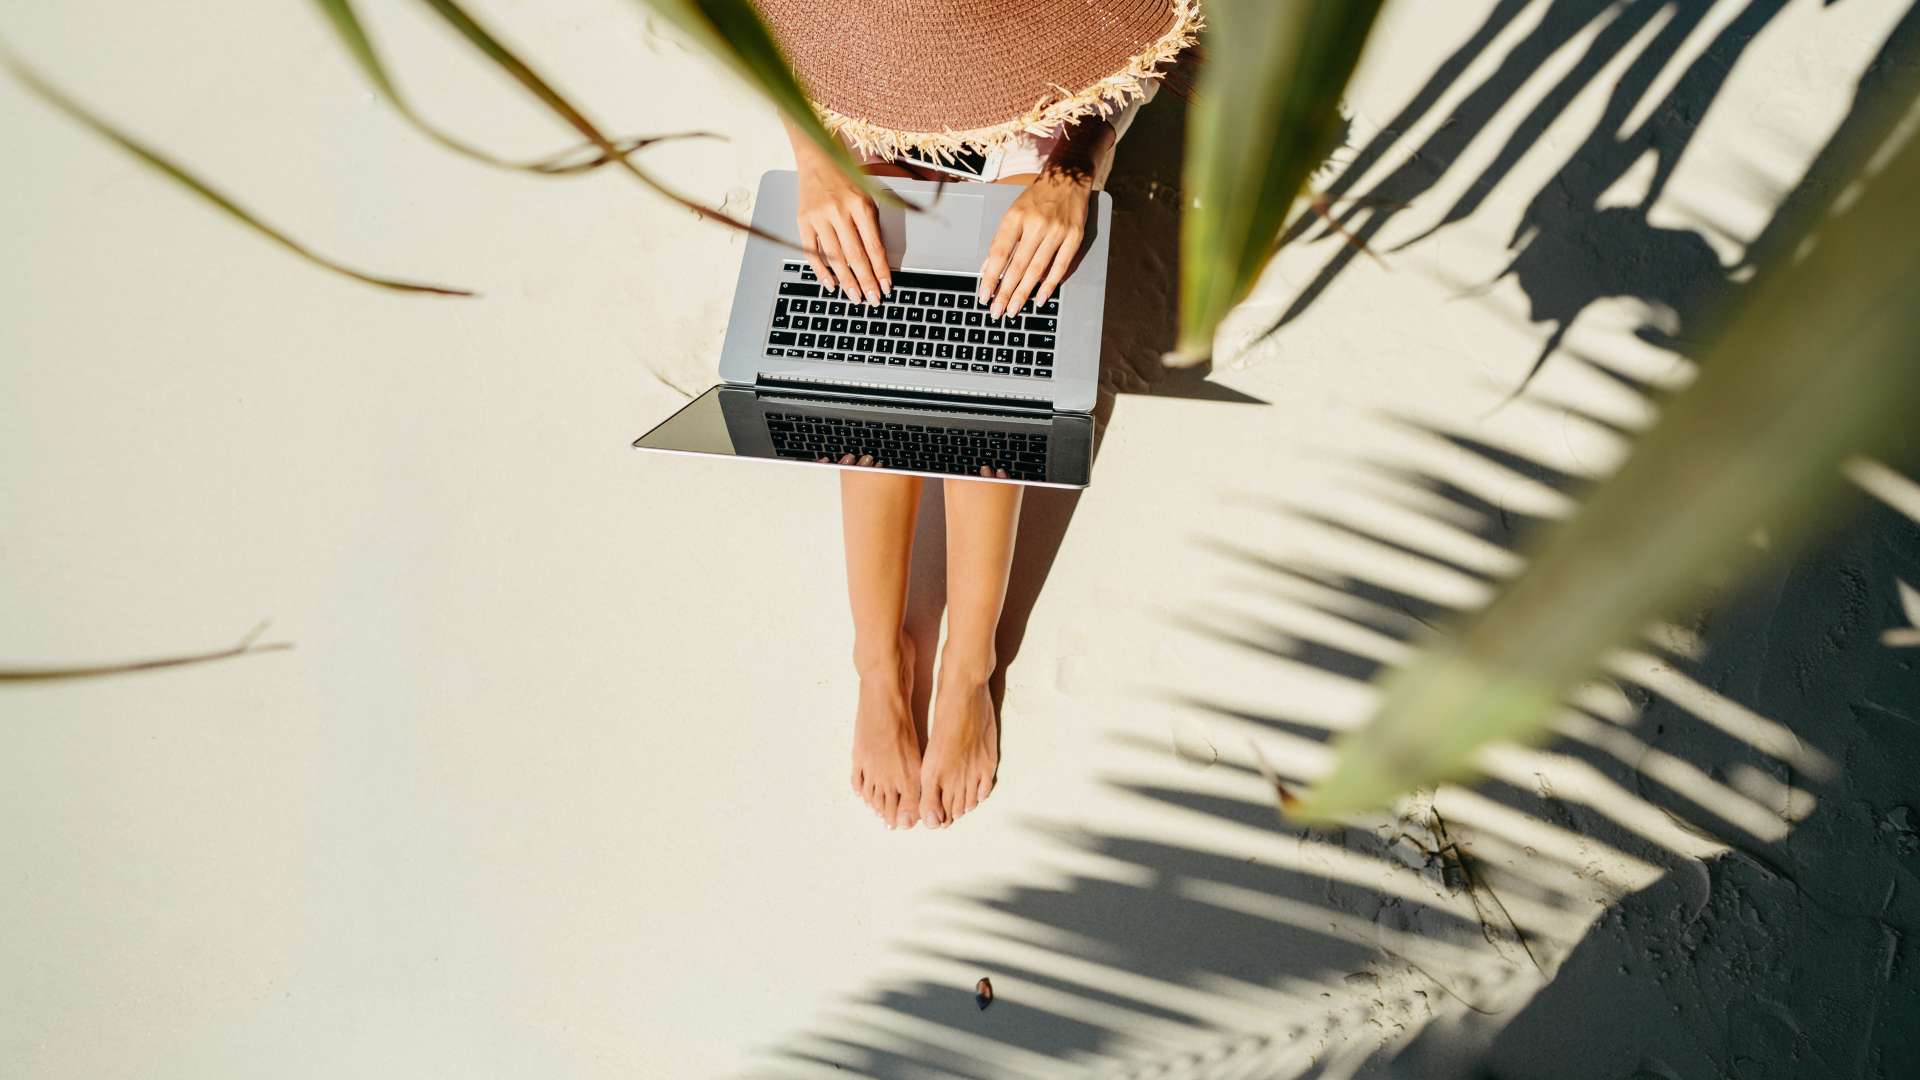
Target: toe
889, 807
982, 789
930, 804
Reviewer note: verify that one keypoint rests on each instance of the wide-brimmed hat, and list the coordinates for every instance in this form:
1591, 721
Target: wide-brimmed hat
943, 76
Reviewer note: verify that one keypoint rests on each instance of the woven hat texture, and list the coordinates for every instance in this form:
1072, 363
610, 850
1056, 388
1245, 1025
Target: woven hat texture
942, 76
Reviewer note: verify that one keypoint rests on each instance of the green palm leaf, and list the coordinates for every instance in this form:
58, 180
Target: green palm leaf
732, 31
353, 36
482, 39
1818, 364
47, 92
1265, 113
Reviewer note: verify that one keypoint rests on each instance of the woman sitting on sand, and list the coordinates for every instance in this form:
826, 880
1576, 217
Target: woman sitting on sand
934, 78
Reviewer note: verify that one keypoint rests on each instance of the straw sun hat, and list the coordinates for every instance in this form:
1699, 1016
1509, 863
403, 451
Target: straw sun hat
942, 76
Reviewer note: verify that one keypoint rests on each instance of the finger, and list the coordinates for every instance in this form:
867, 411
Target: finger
1005, 240
866, 285
1000, 473
1016, 268
868, 219
1043, 257
865, 459
846, 459
810, 243
986, 471
1062, 262
839, 277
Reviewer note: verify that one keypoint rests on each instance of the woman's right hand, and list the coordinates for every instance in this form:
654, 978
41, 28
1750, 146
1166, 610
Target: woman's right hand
840, 229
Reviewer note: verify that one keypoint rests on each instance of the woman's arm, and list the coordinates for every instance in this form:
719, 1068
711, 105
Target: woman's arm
1041, 233
839, 225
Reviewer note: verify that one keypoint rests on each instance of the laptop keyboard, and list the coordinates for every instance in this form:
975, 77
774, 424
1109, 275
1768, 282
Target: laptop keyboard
918, 447
932, 321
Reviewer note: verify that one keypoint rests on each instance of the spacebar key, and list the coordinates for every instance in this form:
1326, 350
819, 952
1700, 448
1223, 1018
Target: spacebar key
915, 279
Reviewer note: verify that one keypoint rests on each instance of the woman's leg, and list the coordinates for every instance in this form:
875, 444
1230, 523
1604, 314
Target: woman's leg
877, 514
964, 749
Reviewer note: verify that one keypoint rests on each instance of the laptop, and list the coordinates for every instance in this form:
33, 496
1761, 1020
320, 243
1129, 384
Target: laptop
926, 382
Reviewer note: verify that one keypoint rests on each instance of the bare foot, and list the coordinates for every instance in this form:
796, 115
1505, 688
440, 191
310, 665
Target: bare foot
962, 752
886, 749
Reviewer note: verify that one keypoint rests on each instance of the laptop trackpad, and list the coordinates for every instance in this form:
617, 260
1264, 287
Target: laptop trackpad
945, 237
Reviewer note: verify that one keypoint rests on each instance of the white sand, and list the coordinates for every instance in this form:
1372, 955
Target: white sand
554, 781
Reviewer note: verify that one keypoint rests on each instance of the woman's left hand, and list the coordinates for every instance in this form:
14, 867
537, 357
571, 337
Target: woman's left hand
1038, 240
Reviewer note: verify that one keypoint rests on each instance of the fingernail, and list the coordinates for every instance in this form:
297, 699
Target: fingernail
873, 298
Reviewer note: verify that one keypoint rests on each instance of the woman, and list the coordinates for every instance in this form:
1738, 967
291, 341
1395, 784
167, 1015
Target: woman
935, 78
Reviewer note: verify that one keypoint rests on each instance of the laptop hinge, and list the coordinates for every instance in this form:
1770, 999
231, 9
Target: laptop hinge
909, 395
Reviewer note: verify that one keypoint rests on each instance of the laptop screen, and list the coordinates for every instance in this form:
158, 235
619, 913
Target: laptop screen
928, 439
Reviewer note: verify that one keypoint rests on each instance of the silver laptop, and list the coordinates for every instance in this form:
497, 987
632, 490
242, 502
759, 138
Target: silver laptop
925, 382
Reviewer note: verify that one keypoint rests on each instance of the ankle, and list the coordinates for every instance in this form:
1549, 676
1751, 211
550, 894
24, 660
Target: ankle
965, 669
879, 660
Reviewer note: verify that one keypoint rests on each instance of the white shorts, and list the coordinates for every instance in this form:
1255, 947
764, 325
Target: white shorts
1029, 153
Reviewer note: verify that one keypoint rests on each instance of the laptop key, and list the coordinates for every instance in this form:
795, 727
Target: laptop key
1002, 369
897, 361
776, 352
981, 367
865, 344
1023, 371
917, 362
781, 337
815, 354
1040, 323
937, 365
798, 288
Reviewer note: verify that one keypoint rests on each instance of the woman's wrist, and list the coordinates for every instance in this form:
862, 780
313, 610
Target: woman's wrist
1081, 153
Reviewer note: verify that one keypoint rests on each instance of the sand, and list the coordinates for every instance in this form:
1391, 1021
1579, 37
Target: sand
553, 782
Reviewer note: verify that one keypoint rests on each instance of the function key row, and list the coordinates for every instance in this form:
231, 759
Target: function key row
796, 313
915, 288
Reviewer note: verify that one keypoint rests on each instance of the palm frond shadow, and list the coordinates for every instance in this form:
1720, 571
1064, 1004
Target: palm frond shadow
1162, 957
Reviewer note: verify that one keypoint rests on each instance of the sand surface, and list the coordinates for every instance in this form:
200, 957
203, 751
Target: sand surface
553, 782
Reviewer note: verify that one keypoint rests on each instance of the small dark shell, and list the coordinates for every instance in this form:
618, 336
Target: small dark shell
983, 992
